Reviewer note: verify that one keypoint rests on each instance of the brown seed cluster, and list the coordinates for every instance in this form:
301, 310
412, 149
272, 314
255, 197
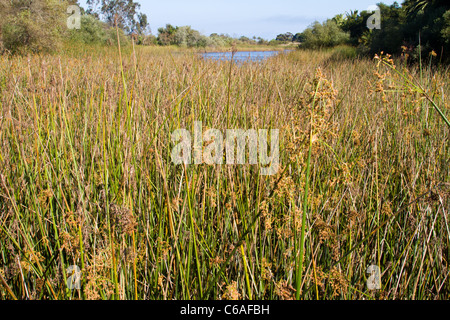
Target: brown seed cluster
123, 218
284, 290
231, 292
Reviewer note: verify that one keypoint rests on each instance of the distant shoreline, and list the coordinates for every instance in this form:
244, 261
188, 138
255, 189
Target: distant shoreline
247, 49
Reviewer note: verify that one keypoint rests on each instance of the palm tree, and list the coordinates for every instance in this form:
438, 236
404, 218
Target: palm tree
414, 6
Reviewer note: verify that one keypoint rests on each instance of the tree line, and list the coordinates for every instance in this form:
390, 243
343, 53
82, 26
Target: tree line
417, 27
41, 25
185, 36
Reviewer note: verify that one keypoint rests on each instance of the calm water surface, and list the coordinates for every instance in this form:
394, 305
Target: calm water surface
242, 56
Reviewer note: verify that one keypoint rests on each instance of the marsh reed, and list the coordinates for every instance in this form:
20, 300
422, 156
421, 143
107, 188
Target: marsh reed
87, 179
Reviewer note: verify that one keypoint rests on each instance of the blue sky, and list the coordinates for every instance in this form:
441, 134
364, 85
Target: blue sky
261, 18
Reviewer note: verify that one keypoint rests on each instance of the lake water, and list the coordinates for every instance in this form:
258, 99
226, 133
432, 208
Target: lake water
241, 56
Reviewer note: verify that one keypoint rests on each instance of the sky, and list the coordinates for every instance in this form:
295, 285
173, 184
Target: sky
260, 18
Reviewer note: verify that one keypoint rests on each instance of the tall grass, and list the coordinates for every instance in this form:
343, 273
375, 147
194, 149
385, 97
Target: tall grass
87, 178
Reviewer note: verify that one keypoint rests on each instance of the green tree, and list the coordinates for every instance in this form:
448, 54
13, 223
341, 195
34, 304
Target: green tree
220, 40
285, 37
187, 37
428, 21
94, 31
124, 12
326, 34
392, 34
446, 30
299, 37
414, 6
356, 24
414, 22
166, 36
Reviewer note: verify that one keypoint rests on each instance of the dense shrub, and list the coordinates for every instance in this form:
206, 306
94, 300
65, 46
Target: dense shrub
32, 26
92, 31
446, 30
323, 35
187, 37
220, 40
41, 26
